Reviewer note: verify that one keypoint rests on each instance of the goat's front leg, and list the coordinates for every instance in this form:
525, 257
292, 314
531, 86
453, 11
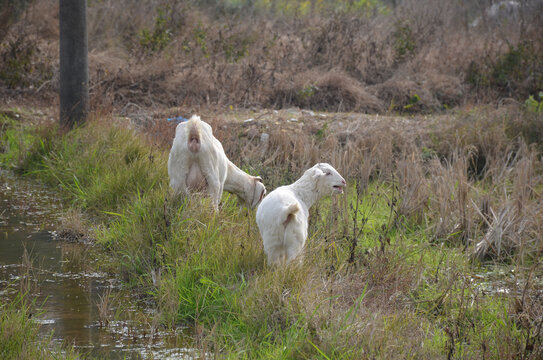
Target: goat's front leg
215, 191
214, 188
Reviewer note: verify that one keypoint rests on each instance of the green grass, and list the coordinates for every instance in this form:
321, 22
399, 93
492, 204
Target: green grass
404, 295
19, 334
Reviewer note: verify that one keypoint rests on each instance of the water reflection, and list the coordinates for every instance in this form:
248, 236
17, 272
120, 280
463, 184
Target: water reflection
59, 277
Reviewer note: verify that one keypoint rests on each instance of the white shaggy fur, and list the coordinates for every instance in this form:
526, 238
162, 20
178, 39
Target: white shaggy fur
282, 217
197, 163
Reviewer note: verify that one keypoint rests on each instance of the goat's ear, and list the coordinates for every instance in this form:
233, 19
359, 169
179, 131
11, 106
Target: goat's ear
258, 198
317, 173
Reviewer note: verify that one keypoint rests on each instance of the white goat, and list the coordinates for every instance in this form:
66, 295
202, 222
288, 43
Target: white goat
197, 163
282, 217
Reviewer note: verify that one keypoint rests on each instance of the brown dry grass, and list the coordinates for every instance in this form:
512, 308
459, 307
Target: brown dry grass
470, 177
328, 62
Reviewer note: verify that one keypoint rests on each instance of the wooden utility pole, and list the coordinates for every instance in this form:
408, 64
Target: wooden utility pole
74, 69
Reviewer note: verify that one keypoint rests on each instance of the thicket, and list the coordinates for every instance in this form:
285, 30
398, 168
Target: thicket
10, 12
368, 55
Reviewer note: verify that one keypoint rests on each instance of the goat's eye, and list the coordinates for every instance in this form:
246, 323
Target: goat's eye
328, 173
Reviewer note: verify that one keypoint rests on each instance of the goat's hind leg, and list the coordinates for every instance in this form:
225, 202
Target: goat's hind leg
276, 255
294, 241
178, 169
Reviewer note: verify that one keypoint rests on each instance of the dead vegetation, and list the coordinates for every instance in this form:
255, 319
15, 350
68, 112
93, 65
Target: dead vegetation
406, 56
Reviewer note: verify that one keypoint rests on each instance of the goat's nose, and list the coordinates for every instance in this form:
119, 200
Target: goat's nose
343, 181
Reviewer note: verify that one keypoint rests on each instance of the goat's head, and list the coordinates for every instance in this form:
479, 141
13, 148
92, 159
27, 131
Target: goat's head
327, 179
259, 191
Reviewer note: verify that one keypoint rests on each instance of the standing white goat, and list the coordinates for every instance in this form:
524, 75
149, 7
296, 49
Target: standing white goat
197, 163
282, 217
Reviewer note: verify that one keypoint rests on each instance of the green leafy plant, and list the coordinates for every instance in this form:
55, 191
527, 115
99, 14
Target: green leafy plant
427, 153
475, 75
515, 72
321, 133
156, 39
200, 35
308, 8
404, 41
510, 66
307, 92
413, 100
534, 106
236, 47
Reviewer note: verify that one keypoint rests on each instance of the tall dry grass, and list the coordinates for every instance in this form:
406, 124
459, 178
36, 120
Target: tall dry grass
470, 178
417, 56
461, 176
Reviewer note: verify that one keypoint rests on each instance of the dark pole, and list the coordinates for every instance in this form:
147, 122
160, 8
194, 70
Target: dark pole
74, 72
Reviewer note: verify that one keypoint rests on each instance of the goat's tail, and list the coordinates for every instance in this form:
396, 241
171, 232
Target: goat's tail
289, 223
289, 213
194, 136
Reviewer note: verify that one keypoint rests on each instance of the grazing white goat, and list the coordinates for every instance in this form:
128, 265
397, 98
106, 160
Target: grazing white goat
282, 217
197, 163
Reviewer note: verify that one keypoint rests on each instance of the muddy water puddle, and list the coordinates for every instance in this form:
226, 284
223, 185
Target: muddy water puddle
77, 304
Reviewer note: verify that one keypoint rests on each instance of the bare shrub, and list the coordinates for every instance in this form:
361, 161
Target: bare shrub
418, 56
332, 91
405, 95
447, 90
450, 189
512, 228
22, 64
10, 11
503, 231
412, 187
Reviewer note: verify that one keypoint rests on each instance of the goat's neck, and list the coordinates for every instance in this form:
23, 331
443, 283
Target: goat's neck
237, 181
307, 190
